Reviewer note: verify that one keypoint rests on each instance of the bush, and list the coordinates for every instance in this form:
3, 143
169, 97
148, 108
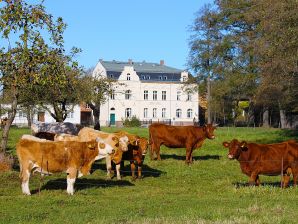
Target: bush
132, 122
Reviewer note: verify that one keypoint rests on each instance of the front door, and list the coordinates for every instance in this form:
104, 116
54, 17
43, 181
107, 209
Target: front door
40, 116
112, 119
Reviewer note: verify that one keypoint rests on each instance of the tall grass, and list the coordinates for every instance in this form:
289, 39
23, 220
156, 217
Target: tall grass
211, 190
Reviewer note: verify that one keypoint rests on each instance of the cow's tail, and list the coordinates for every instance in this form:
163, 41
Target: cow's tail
150, 143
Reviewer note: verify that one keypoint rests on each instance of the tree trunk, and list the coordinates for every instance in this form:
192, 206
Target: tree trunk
96, 116
7, 126
29, 116
209, 119
283, 119
266, 118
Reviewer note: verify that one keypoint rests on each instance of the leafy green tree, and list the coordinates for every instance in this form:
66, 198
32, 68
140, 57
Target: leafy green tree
20, 62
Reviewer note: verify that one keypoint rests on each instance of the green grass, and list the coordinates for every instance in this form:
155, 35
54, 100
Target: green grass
212, 190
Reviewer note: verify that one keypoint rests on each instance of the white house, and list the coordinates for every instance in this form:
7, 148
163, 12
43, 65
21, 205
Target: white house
150, 91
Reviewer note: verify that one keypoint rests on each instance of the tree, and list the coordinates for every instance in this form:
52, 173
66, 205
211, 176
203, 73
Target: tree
99, 90
21, 61
203, 43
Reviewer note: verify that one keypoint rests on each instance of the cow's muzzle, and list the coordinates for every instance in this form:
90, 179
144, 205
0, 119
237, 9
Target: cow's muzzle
230, 156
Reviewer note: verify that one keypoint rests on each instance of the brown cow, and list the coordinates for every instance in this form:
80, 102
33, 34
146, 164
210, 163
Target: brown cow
135, 155
190, 137
46, 157
266, 159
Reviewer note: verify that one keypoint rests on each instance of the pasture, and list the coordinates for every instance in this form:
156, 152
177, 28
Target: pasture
211, 190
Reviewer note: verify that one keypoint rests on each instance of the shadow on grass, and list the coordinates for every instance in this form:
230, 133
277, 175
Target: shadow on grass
81, 184
177, 157
275, 184
147, 171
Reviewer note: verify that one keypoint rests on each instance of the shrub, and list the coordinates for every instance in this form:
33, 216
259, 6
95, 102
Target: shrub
132, 122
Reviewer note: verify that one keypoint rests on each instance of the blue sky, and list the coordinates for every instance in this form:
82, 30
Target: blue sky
148, 30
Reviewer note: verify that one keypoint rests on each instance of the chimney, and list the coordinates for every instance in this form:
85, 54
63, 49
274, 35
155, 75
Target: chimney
130, 61
100, 60
162, 62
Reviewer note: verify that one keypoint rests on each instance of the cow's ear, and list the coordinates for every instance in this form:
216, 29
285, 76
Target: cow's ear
115, 139
91, 146
117, 144
243, 145
226, 144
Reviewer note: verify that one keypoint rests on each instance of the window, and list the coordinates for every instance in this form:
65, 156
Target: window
184, 78
112, 95
160, 77
145, 94
154, 95
145, 112
22, 114
165, 78
163, 112
70, 115
87, 106
164, 95
111, 76
143, 77
148, 77
178, 113
188, 96
154, 112
189, 113
128, 76
179, 95
127, 94
128, 112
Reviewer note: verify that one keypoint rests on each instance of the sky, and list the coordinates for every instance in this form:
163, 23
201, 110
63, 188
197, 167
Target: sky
141, 30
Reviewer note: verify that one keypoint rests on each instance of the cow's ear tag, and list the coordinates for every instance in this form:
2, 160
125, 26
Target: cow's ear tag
101, 145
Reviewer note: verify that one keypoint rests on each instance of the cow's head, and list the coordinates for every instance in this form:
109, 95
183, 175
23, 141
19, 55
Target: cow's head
235, 148
209, 130
104, 149
123, 143
117, 156
143, 145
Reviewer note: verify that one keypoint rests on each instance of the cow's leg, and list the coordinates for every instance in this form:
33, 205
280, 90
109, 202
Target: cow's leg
25, 176
140, 171
152, 149
258, 181
109, 167
118, 167
71, 179
188, 156
253, 178
133, 168
157, 150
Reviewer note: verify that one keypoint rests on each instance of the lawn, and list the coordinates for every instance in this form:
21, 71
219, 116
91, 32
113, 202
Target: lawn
211, 190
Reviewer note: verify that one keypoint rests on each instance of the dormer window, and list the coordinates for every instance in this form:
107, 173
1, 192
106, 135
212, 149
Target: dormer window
148, 77
160, 77
143, 77
184, 78
128, 76
111, 76
165, 78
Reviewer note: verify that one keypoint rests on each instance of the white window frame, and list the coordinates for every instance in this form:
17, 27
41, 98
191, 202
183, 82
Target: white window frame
145, 113
164, 95
128, 94
128, 113
154, 95
154, 113
146, 93
163, 112
189, 113
178, 95
178, 113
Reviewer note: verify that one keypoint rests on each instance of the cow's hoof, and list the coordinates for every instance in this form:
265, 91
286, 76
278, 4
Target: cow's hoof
141, 177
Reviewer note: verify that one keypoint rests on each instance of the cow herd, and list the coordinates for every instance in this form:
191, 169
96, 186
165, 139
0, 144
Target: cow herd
66, 148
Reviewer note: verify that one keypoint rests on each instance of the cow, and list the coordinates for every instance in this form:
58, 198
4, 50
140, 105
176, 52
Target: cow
137, 149
136, 155
47, 157
265, 159
45, 135
118, 142
56, 127
189, 137
66, 137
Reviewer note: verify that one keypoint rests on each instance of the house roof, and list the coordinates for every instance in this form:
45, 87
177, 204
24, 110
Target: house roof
148, 72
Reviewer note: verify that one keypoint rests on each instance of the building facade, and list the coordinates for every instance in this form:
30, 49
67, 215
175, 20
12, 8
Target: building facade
151, 92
